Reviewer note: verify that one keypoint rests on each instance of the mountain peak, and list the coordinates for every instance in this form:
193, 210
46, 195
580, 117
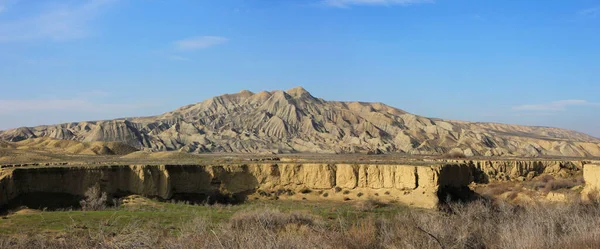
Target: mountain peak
245, 93
298, 92
293, 121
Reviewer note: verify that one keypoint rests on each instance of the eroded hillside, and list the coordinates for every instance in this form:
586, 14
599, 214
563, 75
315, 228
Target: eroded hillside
45, 150
295, 121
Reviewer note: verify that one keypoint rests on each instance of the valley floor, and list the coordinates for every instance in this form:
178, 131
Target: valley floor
139, 222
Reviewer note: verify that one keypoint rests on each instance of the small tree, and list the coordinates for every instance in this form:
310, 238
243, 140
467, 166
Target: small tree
94, 199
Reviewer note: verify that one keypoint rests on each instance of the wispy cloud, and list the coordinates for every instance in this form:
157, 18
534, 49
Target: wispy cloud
560, 105
590, 12
4, 5
347, 3
199, 42
84, 102
56, 22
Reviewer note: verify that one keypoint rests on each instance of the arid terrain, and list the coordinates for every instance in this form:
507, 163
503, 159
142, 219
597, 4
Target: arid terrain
287, 170
68, 194
294, 121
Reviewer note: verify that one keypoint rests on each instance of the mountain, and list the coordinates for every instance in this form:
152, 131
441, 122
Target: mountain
295, 121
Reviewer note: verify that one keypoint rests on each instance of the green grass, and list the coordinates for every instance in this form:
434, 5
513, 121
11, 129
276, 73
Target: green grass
171, 215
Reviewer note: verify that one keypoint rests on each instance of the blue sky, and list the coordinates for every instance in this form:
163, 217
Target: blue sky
518, 62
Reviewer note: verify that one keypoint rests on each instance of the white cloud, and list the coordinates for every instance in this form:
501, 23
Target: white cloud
58, 22
84, 102
346, 3
590, 12
199, 42
560, 105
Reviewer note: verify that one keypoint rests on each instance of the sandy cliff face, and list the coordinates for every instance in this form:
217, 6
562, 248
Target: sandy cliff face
591, 175
413, 185
295, 121
505, 170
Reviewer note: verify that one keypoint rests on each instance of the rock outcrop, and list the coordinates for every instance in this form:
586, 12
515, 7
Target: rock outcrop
421, 186
484, 171
591, 175
295, 121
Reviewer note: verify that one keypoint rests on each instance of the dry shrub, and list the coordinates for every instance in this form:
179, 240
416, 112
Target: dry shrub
495, 189
593, 196
368, 205
548, 183
456, 155
560, 184
305, 191
94, 199
475, 225
362, 234
269, 219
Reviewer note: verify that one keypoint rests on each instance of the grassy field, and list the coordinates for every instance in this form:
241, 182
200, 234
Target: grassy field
144, 223
142, 212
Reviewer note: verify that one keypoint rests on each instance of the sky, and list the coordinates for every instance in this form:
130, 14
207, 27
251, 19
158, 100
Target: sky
515, 62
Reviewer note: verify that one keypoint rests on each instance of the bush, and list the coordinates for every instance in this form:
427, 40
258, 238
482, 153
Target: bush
305, 191
479, 224
269, 219
562, 184
338, 189
456, 155
548, 183
94, 199
362, 234
498, 188
368, 205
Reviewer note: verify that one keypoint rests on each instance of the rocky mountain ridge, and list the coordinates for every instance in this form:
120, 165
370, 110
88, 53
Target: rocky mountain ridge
295, 121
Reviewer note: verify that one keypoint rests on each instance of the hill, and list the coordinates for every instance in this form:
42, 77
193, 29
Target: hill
295, 121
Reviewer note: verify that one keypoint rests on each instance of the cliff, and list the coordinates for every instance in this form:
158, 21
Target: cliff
420, 186
591, 175
505, 170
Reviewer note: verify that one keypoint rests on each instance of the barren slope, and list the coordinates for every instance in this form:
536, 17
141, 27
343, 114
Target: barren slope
295, 121
45, 149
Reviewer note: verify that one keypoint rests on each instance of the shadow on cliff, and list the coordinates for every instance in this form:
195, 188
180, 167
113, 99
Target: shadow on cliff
43, 201
219, 185
449, 196
211, 198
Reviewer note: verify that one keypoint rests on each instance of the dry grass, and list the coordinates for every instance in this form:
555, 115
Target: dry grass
368, 205
497, 188
548, 183
270, 219
474, 225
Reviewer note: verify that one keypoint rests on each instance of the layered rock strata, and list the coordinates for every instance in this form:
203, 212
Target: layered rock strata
506, 170
420, 186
